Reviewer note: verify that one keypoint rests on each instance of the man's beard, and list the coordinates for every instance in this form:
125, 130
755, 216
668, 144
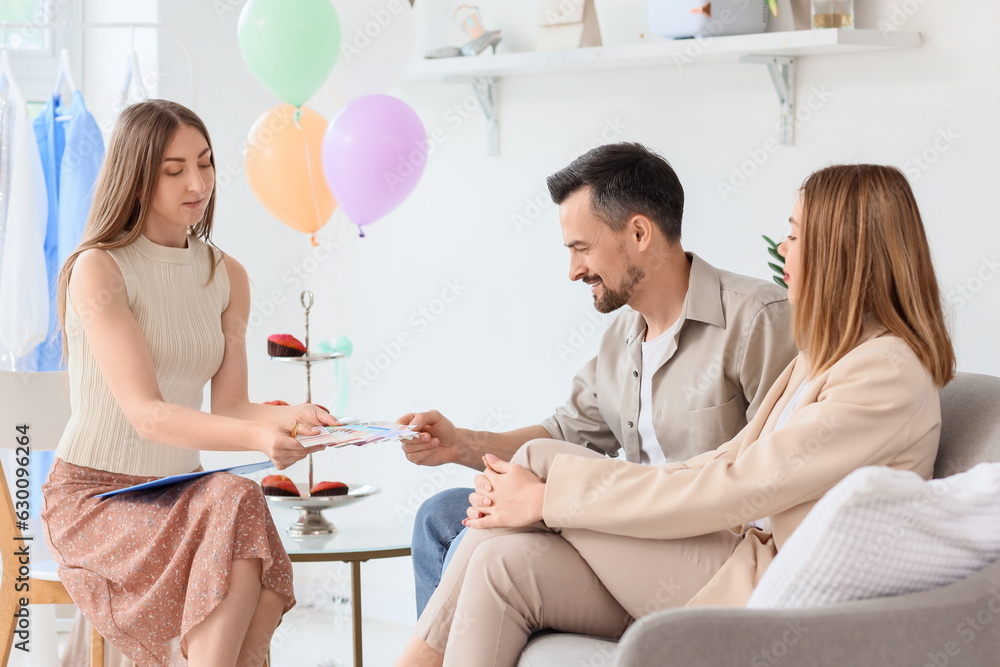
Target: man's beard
611, 299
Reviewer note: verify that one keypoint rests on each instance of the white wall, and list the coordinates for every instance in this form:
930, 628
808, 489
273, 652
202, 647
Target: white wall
497, 355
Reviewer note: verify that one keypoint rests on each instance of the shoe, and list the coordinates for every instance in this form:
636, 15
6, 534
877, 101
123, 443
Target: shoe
476, 46
444, 52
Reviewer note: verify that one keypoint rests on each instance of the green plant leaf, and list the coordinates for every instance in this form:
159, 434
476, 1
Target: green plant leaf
780, 282
780, 270
769, 241
774, 253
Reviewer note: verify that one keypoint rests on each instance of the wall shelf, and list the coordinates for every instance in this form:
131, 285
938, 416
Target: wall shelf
777, 50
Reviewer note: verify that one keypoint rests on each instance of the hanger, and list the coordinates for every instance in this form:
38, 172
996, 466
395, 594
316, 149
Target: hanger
133, 73
65, 73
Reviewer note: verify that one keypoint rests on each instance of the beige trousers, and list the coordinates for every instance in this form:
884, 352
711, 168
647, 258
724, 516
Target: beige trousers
505, 583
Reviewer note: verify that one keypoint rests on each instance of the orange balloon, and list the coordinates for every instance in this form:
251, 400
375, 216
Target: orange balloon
283, 164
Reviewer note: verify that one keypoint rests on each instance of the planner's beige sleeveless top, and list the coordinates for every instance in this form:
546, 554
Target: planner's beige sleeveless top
181, 320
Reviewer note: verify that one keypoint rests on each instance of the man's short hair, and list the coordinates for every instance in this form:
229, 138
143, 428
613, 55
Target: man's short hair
625, 179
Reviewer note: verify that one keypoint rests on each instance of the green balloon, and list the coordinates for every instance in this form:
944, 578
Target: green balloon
290, 45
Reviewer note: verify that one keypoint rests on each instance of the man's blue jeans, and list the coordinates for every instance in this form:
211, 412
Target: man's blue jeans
437, 530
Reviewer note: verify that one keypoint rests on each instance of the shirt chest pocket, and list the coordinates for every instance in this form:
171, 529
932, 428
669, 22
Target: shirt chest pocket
723, 420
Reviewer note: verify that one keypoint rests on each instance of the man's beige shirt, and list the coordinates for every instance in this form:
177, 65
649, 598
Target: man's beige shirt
733, 343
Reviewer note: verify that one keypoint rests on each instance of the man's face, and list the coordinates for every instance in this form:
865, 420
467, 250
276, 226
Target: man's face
597, 254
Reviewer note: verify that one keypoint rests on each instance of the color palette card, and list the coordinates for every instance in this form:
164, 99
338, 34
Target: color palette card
366, 433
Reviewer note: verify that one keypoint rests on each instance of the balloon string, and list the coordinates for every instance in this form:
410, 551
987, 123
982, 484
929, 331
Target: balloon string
312, 181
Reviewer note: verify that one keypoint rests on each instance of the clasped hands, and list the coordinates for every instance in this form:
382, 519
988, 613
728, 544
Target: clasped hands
506, 495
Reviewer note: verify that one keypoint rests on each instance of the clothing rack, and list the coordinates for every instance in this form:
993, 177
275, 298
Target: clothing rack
90, 24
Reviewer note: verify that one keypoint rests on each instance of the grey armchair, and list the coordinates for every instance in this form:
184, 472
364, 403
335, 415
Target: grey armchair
952, 626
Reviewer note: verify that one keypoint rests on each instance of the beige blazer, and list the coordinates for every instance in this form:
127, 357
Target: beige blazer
878, 406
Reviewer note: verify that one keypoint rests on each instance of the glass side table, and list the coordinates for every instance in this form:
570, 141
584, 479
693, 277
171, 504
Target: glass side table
359, 539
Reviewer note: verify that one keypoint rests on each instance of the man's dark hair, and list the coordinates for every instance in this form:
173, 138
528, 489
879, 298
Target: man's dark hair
625, 179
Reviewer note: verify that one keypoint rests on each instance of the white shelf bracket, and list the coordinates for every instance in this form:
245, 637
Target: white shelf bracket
486, 89
782, 71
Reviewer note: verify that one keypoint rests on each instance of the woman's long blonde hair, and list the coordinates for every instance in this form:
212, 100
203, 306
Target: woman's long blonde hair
864, 251
127, 183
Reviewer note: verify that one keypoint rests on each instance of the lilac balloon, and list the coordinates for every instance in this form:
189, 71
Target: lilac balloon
374, 152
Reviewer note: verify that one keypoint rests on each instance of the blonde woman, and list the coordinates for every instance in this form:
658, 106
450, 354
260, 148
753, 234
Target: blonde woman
572, 541
152, 311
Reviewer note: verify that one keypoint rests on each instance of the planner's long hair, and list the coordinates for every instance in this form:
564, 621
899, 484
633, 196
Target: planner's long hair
864, 251
127, 184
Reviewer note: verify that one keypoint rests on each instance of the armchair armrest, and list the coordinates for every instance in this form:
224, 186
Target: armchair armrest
951, 626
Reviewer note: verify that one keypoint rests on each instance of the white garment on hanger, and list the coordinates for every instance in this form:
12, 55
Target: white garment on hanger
24, 283
133, 79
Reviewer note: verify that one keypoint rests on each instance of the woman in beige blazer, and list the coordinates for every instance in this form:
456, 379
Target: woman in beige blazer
577, 542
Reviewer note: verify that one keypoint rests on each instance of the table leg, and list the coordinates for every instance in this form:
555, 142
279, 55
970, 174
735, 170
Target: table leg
356, 609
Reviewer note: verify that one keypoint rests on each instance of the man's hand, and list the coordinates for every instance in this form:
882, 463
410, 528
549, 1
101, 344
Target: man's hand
507, 496
437, 442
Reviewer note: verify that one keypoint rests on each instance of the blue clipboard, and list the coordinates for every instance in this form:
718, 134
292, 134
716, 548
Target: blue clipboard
177, 479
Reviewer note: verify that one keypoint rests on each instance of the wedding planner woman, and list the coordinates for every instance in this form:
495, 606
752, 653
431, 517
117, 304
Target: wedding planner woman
152, 311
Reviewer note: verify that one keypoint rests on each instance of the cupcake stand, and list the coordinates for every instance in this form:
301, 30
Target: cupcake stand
311, 521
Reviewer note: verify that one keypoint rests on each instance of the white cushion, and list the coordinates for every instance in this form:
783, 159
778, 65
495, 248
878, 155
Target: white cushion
883, 532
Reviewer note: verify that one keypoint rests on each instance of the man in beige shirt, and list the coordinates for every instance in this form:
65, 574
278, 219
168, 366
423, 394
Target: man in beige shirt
677, 374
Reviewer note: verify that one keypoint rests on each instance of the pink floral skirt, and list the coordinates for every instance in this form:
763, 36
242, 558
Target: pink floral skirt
145, 568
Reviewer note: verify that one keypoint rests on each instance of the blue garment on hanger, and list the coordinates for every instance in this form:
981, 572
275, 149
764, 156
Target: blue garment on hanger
72, 151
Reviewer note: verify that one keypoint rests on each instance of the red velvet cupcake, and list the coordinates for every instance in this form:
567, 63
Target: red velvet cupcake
279, 485
285, 345
329, 489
